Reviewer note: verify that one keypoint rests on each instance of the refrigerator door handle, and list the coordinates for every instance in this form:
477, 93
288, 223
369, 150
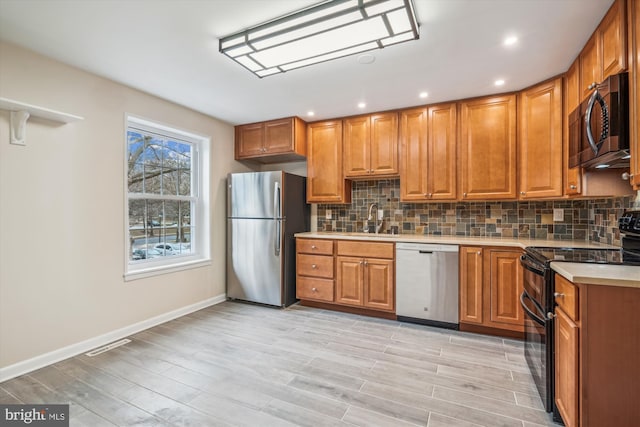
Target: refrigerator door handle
277, 216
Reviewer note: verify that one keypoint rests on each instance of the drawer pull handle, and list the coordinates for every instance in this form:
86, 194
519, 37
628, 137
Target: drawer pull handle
573, 187
558, 295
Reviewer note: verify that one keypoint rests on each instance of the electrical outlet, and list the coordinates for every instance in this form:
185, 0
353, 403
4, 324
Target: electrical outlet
380, 213
327, 214
558, 214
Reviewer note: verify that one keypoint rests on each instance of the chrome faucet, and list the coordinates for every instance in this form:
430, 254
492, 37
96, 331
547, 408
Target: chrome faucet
377, 226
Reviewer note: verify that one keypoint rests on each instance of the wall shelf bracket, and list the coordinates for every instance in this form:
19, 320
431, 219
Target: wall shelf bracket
21, 111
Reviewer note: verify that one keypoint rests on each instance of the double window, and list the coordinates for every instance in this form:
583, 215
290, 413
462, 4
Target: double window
167, 217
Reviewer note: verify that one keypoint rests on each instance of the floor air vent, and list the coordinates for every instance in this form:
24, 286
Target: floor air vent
107, 347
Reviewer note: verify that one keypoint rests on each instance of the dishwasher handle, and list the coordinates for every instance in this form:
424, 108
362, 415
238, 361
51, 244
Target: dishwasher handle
425, 252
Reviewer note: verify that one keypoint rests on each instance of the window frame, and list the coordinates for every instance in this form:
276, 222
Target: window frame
200, 212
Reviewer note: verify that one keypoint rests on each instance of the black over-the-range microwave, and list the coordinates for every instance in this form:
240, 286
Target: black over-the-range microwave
599, 127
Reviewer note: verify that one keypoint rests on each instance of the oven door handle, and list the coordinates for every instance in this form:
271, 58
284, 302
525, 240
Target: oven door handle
531, 314
526, 263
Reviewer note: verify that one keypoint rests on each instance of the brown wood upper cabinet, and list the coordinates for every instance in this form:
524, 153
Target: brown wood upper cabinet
325, 183
487, 148
271, 142
634, 91
572, 177
428, 153
371, 145
540, 140
606, 51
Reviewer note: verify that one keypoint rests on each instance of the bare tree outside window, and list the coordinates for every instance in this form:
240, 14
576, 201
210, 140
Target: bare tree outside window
160, 194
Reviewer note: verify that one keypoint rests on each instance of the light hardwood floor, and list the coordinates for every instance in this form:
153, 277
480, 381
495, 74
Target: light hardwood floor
238, 364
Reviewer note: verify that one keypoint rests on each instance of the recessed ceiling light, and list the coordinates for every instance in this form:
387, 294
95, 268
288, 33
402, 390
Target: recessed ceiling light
499, 82
361, 105
367, 58
423, 94
310, 113
510, 41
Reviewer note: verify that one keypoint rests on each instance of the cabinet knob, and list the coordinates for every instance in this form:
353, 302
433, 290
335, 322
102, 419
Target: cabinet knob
314, 266
550, 315
522, 193
558, 295
464, 194
366, 263
573, 187
430, 195
479, 253
314, 289
361, 262
314, 247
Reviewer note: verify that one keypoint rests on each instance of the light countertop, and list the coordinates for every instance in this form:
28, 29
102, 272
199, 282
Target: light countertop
455, 240
594, 274
599, 274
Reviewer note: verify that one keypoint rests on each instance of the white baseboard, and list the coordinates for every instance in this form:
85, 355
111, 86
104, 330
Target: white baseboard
55, 356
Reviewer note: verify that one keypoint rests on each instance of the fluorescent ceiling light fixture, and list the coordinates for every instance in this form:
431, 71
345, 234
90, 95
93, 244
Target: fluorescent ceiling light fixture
320, 33
602, 166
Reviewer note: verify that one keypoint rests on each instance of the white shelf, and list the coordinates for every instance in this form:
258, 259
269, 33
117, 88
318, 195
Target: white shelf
35, 111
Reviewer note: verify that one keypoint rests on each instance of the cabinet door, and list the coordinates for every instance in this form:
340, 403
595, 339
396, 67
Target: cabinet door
413, 155
634, 91
590, 66
356, 147
349, 280
384, 144
488, 148
442, 153
613, 37
249, 140
540, 140
505, 288
278, 136
566, 372
379, 284
572, 176
325, 183
471, 278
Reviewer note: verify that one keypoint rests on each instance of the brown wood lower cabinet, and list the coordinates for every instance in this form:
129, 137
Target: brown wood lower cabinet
490, 288
597, 348
361, 275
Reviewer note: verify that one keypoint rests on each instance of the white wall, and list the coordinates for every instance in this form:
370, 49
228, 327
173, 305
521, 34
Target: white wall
62, 211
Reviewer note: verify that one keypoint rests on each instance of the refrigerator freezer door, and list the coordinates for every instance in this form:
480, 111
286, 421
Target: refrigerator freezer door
254, 260
254, 195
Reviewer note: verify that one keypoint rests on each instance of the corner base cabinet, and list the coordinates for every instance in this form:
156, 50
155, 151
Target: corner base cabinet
597, 348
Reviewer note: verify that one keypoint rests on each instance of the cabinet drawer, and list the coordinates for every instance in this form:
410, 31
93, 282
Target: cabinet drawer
315, 265
567, 296
313, 288
315, 246
365, 249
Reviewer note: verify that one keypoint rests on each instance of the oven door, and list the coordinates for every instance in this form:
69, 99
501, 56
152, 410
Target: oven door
537, 349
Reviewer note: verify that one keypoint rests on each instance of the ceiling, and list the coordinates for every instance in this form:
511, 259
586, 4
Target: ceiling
169, 48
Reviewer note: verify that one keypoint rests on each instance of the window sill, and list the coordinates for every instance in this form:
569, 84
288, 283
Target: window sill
142, 273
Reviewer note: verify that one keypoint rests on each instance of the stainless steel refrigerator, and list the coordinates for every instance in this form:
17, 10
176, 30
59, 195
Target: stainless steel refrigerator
264, 211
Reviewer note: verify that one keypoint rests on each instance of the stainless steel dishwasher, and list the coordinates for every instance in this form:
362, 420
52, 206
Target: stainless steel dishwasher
427, 284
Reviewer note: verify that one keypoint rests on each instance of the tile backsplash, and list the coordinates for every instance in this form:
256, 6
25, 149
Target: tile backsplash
594, 220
